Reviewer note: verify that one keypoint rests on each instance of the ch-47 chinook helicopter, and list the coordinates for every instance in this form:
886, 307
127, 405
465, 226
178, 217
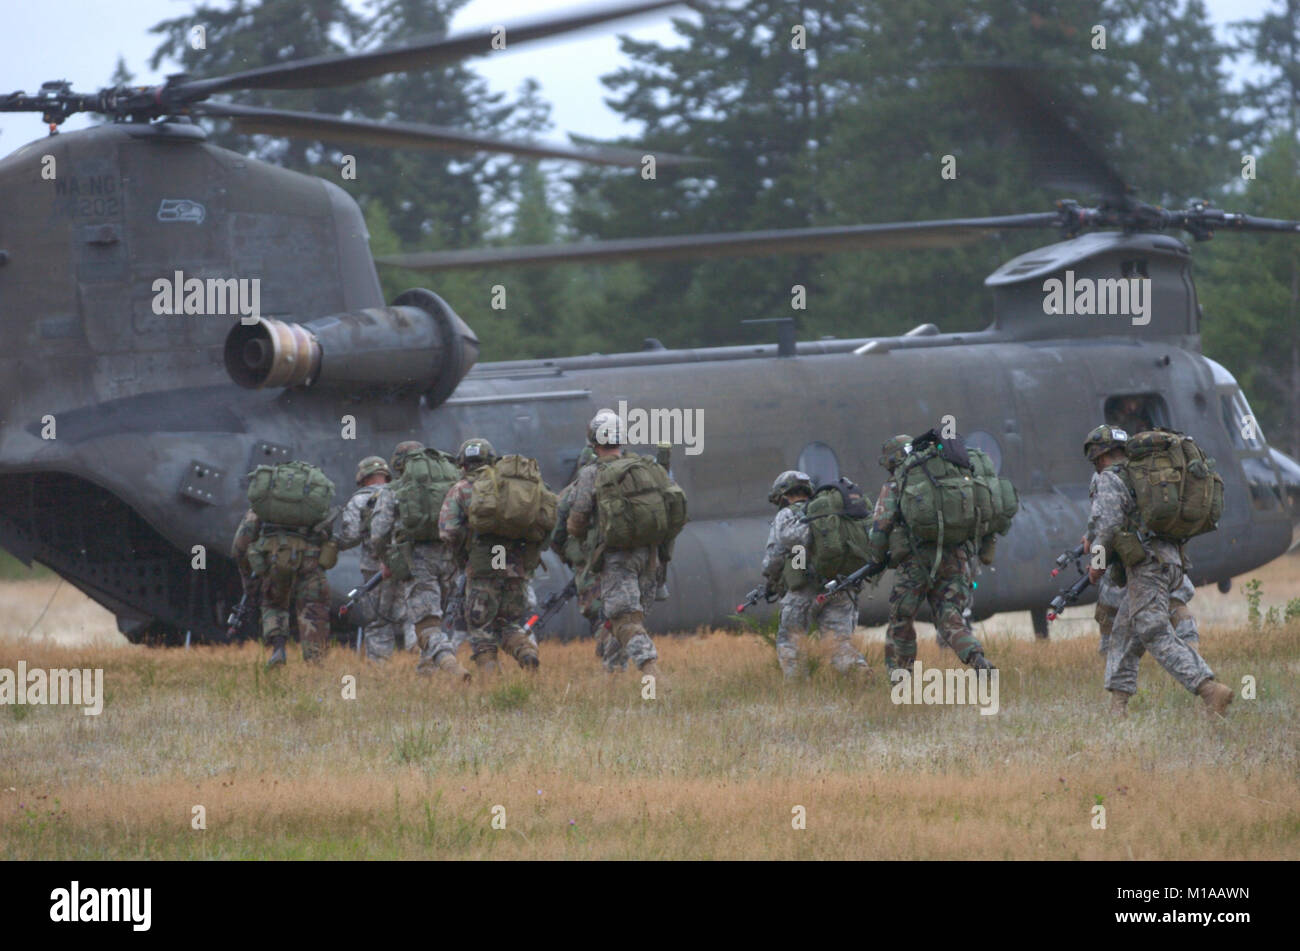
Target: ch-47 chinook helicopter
156, 419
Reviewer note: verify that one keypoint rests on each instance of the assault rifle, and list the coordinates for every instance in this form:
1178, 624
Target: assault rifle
866, 572
359, 592
1067, 597
1065, 557
246, 607
758, 594
1070, 595
551, 607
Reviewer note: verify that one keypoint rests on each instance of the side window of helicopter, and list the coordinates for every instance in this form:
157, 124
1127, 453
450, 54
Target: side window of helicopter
820, 462
1137, 412
985, 441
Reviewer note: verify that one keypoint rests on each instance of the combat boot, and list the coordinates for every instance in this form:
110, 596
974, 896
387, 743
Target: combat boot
518, 646
311, 652
448, 663
1118, 704
651, 668
980, 662
1217, 696
486, 662
277, 658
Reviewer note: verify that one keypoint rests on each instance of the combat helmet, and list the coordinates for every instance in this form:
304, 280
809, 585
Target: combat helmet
605, 429
1102, 440
404, 449
787, 482
369, 466
474, 453
894, 449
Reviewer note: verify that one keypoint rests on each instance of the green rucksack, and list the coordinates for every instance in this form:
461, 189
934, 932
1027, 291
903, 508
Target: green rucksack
637, 504
951, 494
1178, 492
839, 521
510, 500
296, 494
1003, 498
425, 480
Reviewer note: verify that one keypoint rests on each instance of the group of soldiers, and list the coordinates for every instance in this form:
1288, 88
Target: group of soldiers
456, 593
462, 587
947, 588
1144, 611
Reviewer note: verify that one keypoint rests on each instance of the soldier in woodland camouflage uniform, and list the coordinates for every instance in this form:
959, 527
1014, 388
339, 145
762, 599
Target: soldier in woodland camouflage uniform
432, 570
628, 578
1109, 594
384, 604
495, 599
785, 568
949, 593
587, 583
1143, 623
286, 563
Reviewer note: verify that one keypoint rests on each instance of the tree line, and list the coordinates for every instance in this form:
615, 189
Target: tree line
808, 113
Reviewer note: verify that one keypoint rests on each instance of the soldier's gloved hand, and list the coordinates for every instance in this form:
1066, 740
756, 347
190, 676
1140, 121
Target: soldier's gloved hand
988, 550
1094, 574
387, 572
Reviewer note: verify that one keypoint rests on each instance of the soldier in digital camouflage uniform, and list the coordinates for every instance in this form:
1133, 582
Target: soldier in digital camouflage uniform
1109, 594
587, 583
299, 579
495, 598
949, 592
1143, 623
383, 603
627, 579
432, 570
785, 566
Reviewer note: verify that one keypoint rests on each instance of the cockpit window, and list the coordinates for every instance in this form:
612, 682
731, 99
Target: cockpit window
1240, 421
1137, 412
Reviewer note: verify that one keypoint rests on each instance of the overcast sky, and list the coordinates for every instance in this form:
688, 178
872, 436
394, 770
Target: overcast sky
80, 40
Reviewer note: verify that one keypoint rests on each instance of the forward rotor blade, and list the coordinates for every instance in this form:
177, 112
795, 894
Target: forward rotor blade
313, 125
345, 68
1063, 157
910, 234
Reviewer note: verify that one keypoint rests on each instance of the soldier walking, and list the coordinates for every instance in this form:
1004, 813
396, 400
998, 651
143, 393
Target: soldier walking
384, 603
787, 566
496, 569
1153, 567
947, 587
422, 569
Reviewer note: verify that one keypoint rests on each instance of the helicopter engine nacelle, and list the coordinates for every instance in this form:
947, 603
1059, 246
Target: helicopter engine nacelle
418, 344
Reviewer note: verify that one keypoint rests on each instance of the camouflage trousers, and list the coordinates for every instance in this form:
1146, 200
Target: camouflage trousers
387, 612
308, 589
422, 596
837, 617
1110, 596
627, 583
493, 609
453, 615
949, 595
1143, 624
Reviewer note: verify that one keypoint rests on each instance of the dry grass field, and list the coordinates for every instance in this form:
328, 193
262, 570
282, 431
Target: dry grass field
285, 767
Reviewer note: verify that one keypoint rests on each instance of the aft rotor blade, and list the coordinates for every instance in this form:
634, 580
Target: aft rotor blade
345, 68
313, 125
910, 234
1063, 157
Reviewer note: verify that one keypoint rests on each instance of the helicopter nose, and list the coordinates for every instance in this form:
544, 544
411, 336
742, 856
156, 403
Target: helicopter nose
1289, 471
